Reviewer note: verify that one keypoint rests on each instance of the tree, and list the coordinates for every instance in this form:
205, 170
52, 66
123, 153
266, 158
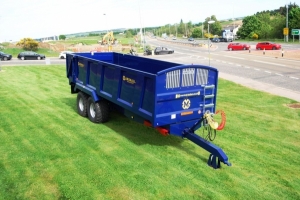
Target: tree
294, 18
197, 32
129, 33
265, 20
214, 28
28, 44
62, 37
250, 24
181, 28
277, 23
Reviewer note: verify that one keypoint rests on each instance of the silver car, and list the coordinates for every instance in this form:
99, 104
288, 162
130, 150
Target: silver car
63, 55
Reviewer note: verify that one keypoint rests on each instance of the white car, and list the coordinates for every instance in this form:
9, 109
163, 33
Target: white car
63, 55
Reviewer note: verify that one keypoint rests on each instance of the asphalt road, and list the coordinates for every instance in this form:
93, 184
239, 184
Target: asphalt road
278, 76
47, 61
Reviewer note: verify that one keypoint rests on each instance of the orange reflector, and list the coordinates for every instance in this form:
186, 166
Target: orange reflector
147, 123
186, 113
162, 131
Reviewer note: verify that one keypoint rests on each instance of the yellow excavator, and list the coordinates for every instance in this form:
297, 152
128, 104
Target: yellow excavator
108, 39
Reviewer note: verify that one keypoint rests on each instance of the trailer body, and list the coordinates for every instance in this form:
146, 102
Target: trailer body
170, 97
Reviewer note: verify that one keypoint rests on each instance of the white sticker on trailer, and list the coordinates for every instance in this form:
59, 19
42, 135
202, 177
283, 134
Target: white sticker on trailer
173, 116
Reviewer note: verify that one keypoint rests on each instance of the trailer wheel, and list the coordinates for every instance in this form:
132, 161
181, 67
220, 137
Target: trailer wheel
82, 104
98, 112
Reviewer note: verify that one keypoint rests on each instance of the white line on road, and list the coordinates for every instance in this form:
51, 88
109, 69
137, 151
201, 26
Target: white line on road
294, 77
235, 57
256, 69
268, 72
278, 74
268, 63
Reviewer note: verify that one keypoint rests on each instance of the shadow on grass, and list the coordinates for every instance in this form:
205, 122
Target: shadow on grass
141, 135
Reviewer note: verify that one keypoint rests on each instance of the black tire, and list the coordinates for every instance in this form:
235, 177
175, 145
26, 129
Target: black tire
22, 58
274, 48
258, 48
244, 48
82, 99
5, 58
98, 112
39, 58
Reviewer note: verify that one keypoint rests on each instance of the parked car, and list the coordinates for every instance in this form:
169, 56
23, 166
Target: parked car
132, 52
30, 55
267, 46
215, 40
238, 46
5, 56
191, 39
63, 55
163, 50
147, 52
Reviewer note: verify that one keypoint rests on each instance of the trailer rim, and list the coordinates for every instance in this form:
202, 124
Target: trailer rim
98, 112
92, 110
82, 104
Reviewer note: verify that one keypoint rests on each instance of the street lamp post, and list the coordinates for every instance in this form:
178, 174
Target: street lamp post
209, 22
287, 22
202, 30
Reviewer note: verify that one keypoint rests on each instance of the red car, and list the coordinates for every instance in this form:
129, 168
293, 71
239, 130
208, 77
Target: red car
267, 46
238, 46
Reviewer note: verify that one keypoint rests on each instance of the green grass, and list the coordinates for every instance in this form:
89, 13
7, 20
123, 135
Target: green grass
49, 152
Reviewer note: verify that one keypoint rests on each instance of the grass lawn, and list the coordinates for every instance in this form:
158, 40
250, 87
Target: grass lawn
49, 152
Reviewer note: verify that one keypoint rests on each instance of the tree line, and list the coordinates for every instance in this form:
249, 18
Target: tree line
262, 25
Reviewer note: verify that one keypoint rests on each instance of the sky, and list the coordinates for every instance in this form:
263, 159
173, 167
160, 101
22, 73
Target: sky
44, 18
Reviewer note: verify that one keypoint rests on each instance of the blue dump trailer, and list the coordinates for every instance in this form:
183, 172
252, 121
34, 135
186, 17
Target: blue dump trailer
173, 98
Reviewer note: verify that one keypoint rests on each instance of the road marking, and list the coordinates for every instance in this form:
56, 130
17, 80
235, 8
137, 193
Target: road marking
235, 57
256, 69
247, 67
278, 74
294, 77
268, 72
238, 65
268, 63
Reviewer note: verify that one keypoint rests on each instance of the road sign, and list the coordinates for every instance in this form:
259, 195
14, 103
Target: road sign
285, 31
295, 31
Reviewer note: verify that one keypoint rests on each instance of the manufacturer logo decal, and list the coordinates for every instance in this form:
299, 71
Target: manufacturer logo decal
80, 64
186, 104
128, 80
187, 95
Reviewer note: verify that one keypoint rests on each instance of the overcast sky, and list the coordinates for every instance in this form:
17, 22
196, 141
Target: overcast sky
43, 18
